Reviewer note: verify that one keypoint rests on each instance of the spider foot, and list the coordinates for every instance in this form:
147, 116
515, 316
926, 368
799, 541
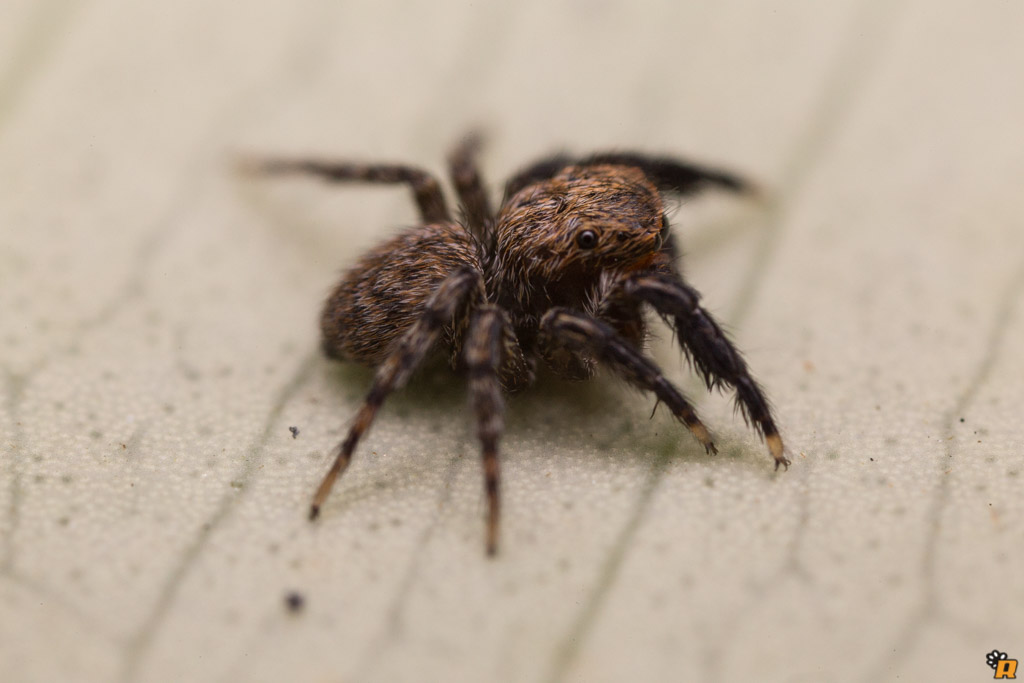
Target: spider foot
775, 447
700, 432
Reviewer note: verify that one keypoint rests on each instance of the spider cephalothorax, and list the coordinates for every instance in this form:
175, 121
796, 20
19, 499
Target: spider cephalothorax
561, 274
578, 224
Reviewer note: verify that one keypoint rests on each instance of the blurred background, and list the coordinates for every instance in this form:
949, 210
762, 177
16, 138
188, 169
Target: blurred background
158, 338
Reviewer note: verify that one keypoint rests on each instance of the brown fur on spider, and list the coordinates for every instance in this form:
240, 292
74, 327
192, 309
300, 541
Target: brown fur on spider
562, 274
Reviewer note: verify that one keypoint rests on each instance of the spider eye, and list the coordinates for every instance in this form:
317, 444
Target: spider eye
586, 239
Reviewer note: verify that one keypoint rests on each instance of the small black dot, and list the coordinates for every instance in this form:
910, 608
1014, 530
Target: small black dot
294, 602
587, 239
294, 431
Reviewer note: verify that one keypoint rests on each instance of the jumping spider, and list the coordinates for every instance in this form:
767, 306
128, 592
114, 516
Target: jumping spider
561, 274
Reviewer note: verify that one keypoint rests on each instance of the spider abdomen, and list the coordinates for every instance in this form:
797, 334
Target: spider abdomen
384, 293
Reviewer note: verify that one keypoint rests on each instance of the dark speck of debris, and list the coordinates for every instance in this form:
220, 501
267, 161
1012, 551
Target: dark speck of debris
871, 459
961, 419
294, 602
295, 431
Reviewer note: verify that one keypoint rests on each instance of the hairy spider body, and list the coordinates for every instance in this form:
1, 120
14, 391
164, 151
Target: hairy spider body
561, 274
381, 297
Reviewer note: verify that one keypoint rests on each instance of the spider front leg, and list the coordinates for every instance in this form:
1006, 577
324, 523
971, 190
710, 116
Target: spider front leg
714, 356
441, 308
488, 338
588, 334
425, 188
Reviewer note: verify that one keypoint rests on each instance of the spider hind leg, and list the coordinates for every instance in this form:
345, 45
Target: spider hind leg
667, 174
425, 188
464, 170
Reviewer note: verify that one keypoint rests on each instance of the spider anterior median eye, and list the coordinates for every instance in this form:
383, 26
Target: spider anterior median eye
586, 239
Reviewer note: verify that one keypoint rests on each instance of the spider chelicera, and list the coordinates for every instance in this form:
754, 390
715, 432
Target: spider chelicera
562, 274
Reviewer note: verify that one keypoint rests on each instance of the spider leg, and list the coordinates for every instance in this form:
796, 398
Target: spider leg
586, 333
673, 175
425, 188
566, 361
484, 352
714, 356
465, 174
667, 174
441, 308
544, 169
